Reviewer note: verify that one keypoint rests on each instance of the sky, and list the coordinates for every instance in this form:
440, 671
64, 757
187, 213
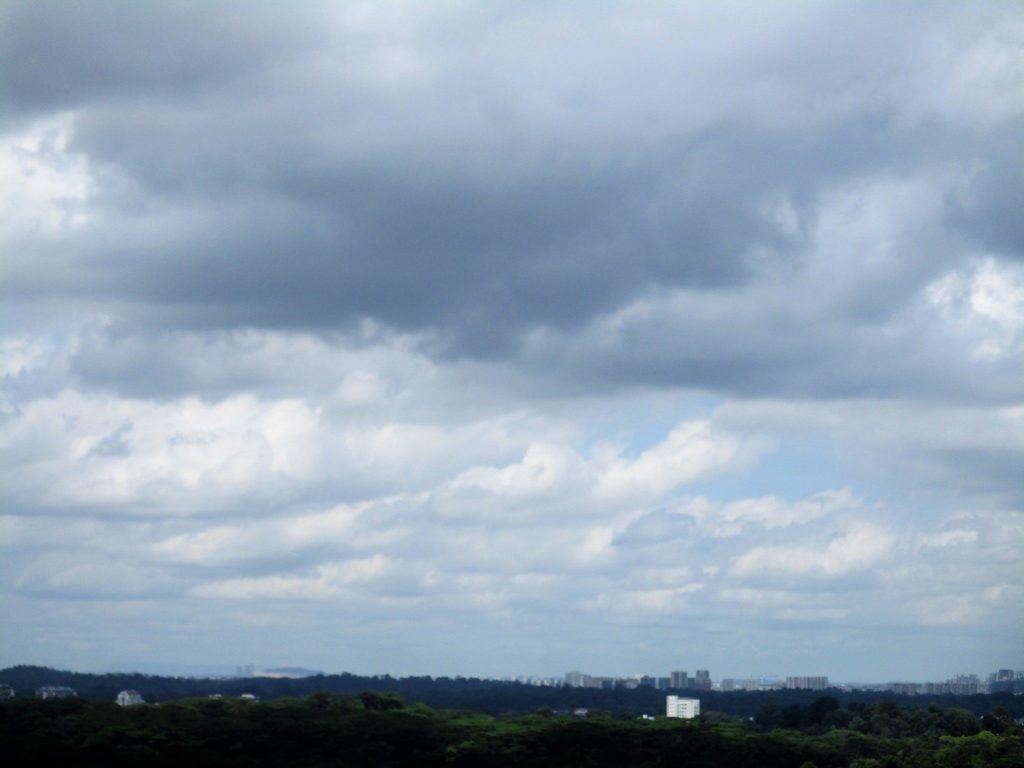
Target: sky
510, 338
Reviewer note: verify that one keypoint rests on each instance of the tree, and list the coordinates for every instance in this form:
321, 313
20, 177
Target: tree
381, 701
820, 708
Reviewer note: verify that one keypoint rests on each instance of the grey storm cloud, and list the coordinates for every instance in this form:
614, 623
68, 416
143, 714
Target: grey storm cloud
67, 55
252, 168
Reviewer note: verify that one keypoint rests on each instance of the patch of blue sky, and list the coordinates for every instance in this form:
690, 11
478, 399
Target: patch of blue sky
644, 422
798, 468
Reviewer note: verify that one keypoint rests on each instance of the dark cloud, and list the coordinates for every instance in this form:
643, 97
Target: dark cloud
987, 212
479, 205
59, 56
249, 172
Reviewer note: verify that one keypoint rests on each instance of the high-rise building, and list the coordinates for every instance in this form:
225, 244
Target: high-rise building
808, 683
679, 679
964, 685
702, 682
906, 689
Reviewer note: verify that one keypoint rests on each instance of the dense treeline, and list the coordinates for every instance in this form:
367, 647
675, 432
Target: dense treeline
378, 729
490, 696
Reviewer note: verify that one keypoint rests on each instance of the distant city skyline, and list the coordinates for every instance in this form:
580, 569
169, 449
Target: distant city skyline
1002, 681
474, 338
957, 683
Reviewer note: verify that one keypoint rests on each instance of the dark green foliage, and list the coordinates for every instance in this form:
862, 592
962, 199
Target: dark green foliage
998, 721
820, 709
378, 729
381, 702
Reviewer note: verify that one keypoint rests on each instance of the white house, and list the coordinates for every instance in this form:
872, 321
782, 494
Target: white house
676, 706
129, 698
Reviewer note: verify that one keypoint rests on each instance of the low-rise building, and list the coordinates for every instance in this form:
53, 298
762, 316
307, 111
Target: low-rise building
129, 699
677, 706
55, 692
6, 692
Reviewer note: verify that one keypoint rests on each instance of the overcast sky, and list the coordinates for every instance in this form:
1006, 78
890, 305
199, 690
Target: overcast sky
512, 338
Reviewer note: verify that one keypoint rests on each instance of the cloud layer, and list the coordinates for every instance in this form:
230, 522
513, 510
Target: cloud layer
632, 338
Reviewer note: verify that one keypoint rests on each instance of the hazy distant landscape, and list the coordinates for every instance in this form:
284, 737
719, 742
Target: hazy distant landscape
494, 697
325, 720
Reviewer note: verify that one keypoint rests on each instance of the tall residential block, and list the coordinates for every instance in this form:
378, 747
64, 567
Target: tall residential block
702, 682
812, 683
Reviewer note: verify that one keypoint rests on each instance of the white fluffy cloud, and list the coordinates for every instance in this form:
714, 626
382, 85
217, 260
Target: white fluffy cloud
185, 457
